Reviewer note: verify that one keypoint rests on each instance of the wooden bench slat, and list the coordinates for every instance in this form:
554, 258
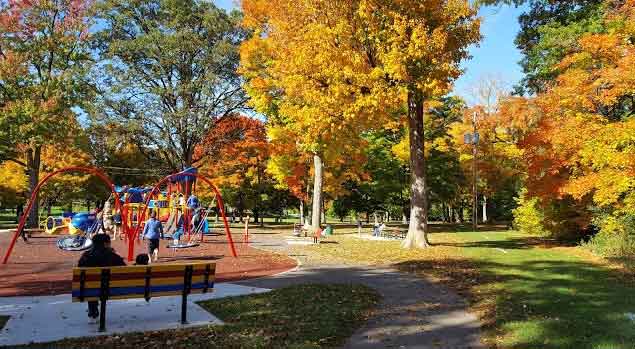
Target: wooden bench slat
141, 268
135, 296
154, 274
139, 291
141, 282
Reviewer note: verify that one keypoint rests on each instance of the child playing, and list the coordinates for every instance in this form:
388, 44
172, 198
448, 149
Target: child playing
153, 231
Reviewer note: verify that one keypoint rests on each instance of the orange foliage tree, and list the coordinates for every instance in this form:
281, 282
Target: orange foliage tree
577, 136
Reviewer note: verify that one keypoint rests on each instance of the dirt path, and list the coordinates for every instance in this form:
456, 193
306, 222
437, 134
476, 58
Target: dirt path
415, 313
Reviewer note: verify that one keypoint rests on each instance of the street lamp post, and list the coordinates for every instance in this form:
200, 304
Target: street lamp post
473, 138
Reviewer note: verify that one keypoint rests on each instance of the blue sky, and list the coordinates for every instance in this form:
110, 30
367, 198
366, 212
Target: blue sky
496, 56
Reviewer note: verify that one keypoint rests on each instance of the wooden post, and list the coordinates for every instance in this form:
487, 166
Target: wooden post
246, 231
187, 285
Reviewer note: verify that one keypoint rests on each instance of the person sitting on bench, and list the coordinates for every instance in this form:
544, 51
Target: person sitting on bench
100, 255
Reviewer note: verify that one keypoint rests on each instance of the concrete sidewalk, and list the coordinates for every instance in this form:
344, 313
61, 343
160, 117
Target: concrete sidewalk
49, 318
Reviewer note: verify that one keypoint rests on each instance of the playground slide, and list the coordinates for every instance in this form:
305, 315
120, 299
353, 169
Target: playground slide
170, 226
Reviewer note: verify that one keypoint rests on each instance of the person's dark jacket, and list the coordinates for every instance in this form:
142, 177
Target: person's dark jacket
100, 257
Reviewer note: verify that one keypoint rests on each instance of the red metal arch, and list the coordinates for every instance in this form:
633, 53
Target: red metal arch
89, 170
155, 189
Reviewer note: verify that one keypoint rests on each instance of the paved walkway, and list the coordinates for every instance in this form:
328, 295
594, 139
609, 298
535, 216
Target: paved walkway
414, 313
49, 318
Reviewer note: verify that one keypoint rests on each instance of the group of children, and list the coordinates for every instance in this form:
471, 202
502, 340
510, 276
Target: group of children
153, 229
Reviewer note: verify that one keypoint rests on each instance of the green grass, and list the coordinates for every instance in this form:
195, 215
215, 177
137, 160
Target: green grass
550, 297
3, 320
528, 295
305, 316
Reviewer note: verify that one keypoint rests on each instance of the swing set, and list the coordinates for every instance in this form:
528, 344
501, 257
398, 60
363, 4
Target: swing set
134, 214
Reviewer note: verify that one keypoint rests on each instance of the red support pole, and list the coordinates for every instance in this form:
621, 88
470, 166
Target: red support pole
36, 190
219, 200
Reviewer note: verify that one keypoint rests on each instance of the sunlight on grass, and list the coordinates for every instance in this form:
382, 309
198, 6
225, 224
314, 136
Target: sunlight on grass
528, 294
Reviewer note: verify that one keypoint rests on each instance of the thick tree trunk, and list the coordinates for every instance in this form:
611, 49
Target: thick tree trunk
417, 236
33, 168
317, 192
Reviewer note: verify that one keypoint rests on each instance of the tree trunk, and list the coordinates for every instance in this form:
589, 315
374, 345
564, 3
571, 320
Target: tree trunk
301, 212
33, 168
484, 208
323, 211
317, 192
417, 236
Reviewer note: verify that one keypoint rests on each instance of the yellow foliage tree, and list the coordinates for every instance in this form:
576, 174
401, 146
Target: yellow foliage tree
330, 70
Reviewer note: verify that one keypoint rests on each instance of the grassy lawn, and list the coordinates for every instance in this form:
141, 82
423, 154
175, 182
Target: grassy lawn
305, 316
528, 295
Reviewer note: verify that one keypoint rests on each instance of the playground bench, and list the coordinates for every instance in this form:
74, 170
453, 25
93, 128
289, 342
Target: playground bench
128, 282
393, 233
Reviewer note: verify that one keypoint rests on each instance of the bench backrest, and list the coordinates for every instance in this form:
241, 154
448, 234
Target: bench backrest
142, 281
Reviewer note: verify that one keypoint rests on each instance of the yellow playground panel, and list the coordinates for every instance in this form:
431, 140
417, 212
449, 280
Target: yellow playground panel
57, 225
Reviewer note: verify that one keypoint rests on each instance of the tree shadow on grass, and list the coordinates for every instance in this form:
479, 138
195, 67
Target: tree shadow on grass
541, 303
507, 244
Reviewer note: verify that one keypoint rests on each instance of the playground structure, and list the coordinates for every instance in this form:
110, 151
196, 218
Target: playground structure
172, 207
56, 225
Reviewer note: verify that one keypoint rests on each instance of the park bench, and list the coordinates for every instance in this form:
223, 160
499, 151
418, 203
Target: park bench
393, 233
147, 281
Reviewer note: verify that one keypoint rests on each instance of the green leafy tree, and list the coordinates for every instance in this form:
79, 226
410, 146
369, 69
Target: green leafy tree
44, 60
171, 73
550, 30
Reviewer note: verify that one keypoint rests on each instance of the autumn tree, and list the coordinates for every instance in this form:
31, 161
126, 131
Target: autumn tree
576, 145
170, 73
14, 186
332, 70
44, 60
235, 155
120, 156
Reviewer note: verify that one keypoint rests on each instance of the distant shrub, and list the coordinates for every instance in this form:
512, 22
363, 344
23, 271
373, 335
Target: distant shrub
616, 236
528, 217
